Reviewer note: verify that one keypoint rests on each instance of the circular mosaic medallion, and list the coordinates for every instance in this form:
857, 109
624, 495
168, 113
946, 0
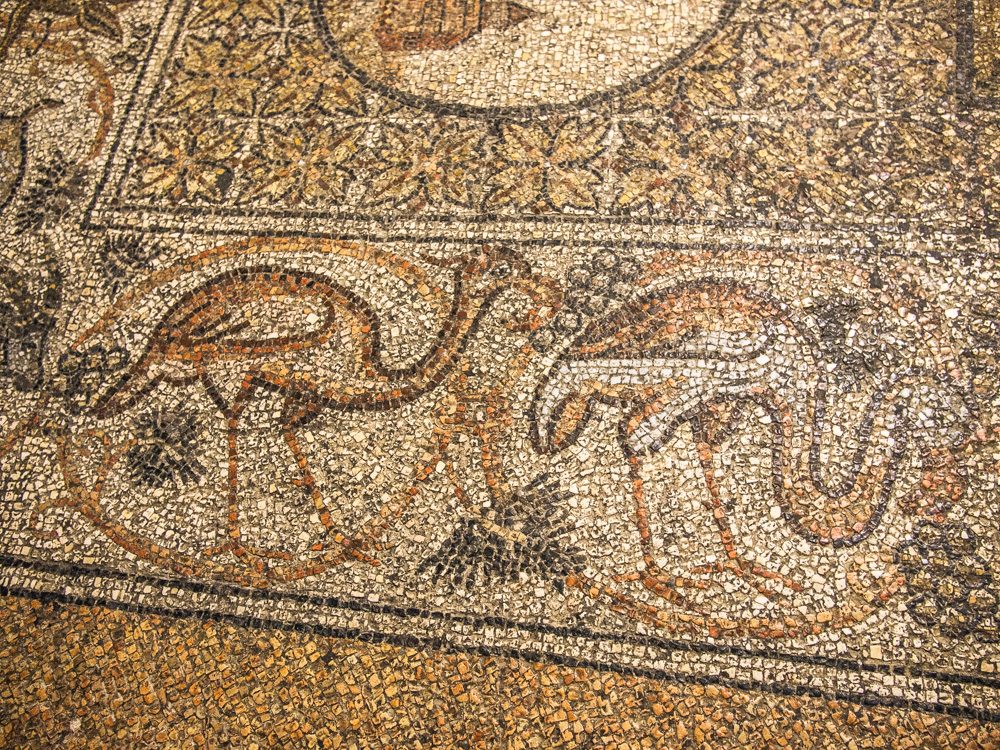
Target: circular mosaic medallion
490, 56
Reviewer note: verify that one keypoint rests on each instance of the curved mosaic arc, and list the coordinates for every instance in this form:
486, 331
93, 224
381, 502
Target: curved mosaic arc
211, 325
490, 58
695, 356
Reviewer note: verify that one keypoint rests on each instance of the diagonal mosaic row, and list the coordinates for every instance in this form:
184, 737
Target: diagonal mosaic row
647, 339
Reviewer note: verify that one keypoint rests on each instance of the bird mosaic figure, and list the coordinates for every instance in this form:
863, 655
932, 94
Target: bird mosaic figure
249, 333
704, 354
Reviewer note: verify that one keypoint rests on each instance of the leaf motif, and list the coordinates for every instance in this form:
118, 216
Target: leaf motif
292, 93
850, 85
12, 157
212, 13
714, 88
579, 141
523, 144
649, 144
573, 187
784, 85
516, 188
783, 41
644, 186
396, 185
341, 94
846, 38
335, 145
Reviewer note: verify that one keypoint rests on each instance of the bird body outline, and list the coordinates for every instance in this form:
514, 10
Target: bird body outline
200, 329
647, 359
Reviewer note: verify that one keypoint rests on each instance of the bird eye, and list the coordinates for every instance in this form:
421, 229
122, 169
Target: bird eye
502, 270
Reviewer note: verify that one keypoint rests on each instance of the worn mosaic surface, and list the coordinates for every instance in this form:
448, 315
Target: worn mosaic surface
488, 373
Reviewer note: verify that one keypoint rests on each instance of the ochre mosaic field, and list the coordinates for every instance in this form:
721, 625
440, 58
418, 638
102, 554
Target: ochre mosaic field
499, 373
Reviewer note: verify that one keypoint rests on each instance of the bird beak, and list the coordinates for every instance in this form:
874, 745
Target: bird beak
438, 262
546, 298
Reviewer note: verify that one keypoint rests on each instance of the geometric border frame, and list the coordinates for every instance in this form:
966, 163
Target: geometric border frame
857, 681
106, 210
965, 68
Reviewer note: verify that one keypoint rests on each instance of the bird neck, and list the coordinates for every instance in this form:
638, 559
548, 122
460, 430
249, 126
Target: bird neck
462, 320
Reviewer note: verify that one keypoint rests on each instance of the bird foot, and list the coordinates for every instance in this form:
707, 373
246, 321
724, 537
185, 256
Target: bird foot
240, 550
670, 586
351, 547
663, 585
754, 574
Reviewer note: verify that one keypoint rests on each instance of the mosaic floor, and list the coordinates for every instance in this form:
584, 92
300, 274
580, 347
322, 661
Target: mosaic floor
500, 374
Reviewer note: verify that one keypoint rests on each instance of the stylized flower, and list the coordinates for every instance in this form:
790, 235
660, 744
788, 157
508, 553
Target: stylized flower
710, 79
283, 29
427, 164
916, 66
818, 59
303, 166
548, 165
670, 169
797, 166
300, 78
222, 78
181, 163
950, 585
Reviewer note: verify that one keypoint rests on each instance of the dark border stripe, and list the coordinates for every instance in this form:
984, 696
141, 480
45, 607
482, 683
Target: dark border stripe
439, 644
966, 90
902, 226
666, 645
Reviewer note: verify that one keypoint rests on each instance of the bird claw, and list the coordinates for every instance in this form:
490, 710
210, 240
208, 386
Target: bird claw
749, 571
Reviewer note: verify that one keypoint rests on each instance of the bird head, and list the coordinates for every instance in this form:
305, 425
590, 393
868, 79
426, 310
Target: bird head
492, 269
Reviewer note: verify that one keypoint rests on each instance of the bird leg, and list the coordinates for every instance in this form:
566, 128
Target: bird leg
295, 412
253, 556
651, 576
308, 483
234, 543
707, 441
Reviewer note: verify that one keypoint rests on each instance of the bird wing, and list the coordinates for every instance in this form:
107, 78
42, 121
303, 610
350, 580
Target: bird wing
701, 319
255, 310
